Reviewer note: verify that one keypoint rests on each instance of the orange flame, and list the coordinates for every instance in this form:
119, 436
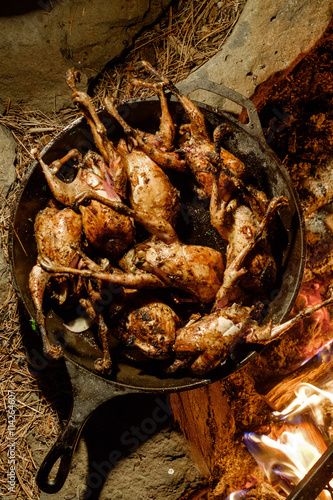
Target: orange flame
307, 397
287, 459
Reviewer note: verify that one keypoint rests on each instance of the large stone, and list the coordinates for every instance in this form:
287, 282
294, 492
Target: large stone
7, 159
37, 47
7, 177
270, 36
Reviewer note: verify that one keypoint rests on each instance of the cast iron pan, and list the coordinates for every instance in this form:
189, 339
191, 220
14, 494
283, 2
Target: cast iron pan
91, 389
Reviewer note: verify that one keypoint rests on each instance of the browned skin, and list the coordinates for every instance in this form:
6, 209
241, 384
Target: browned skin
210, 339
165, 136
233, 175
105, 146
149, 325
86, 179
150, 189
198, 147
156, 263
155, 225
206, 158
63, 192
196, 269
105, 229
58, 235
153, 264
203, 344
152, 145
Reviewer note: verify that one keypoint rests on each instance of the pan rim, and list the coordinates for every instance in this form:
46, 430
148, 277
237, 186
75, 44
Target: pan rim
197, 381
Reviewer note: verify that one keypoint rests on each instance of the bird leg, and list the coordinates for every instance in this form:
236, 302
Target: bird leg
158, 154
105, 146
235, 270
198, 122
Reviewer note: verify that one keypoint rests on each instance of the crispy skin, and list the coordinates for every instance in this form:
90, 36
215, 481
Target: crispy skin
193, 268
150, 326
150, 188
105, 146
107, 230
212, 338
157, 146
58, 235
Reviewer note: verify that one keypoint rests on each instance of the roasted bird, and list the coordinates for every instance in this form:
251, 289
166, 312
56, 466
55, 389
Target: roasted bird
195, 269
159, 146
206, 158
204, 344
249, 260
104, 228
105, 146
150, 189
58, 237
149, 325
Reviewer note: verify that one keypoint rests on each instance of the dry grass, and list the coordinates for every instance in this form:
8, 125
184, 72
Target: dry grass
188, 35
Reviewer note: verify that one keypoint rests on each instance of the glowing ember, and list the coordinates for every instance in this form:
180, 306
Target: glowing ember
238, 495
317, 330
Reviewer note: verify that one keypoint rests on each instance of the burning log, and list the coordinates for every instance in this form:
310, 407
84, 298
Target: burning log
314, 371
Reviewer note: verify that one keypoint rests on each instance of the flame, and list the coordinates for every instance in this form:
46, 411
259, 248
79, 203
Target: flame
238, 495
307, 397
285, 461
290, 451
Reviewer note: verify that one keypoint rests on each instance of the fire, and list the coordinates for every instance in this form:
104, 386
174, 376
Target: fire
289, 452
238, 495
307, 397
287, 459
304, 428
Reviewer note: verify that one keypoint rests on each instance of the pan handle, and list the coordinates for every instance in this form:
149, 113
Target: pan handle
88, 393
253, 126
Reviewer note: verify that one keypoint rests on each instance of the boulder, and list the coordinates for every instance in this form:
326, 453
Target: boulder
39, 45
270, 36
7, 177
7, 159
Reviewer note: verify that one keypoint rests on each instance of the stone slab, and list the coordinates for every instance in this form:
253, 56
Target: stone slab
7, 177
37, 47
269, 36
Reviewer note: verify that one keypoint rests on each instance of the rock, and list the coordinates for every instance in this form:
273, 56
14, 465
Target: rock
37, 48
270, 36
3, 277
160, 468
7, 159
7, 177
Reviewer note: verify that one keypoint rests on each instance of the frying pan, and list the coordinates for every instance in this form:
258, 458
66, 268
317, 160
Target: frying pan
90, 389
